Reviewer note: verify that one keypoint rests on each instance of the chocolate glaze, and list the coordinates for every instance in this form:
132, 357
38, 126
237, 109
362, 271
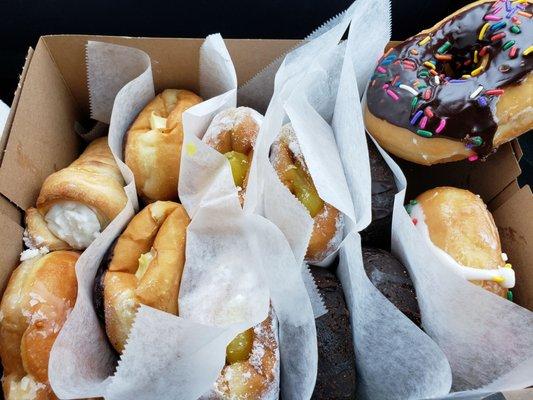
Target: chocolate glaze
378, 233
391, 278
465, 117
336, 375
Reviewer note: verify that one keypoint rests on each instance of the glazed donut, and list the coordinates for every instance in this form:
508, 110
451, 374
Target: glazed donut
461, 232
252, 365
153, 145
38, 298
77, 202
233, 132
144, 267
290, 166
458, 90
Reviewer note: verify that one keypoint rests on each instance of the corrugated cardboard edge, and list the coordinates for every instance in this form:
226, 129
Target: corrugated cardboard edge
10, 214
7, 127
514, 221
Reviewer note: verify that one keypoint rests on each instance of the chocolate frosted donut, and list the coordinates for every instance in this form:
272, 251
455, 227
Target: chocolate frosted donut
458, 90
391, 278
377, 234
336, 358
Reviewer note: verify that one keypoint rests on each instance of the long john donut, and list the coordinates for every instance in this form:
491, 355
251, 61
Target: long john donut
458, 90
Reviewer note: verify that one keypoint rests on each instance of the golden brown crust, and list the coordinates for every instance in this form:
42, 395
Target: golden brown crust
235, 129
327, 225
460, 224
93, 180
160, 230
40, 294
154, 155
256, 377
513, 111
38, 233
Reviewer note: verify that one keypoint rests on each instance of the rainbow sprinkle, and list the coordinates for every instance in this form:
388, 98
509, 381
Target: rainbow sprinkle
394, 96
424, 133
528, 51
424, 41
416, 117
442, 125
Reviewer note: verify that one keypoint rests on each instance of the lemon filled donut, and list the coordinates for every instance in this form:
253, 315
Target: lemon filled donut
233, 133
145, 266
153, 144
39, 296
288, 161
458, 90
461, 232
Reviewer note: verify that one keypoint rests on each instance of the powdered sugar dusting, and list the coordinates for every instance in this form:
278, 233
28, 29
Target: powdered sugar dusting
229, 119
251, 371
33, 252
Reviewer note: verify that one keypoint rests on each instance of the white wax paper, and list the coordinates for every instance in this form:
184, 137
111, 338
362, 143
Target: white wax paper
242, 261
261, 253
487, 340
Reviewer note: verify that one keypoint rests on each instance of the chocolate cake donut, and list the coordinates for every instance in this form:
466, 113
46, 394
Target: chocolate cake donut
391, 278
377, 234
458, 90
336, 357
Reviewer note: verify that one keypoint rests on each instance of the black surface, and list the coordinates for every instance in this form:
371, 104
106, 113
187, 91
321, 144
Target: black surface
23, 21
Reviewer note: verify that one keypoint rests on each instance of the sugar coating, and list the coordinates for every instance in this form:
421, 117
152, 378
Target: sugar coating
33, 252
229, 119
262, 337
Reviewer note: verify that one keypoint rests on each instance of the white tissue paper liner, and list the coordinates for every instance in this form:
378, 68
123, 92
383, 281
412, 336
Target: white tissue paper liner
209, 194
487, 340
175, 373
81, 358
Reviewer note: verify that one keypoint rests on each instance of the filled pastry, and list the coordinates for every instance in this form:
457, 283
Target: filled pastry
458, 90
461, 232
153, 144
378, 233
391, 278
290, 166
38, 298
336, 377
233, 133
77, 202
145, 266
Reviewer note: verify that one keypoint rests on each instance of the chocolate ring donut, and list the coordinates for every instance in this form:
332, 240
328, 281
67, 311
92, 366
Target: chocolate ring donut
458, 90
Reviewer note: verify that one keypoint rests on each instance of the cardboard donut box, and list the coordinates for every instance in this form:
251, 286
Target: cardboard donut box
52, 102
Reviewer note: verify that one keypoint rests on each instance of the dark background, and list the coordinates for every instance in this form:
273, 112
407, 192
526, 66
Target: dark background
23, 21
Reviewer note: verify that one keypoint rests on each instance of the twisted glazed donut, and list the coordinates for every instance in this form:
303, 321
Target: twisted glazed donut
458, 90
77, 202
233, 132
461, 232
144, 267
153, 144
38, 298
288, 162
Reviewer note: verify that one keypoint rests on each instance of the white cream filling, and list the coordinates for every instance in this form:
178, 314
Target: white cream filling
73, 222
503, 275
157, 122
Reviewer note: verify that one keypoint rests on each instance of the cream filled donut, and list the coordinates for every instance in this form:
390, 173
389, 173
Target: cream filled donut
288, 161
458, 90
77, 202
462, 235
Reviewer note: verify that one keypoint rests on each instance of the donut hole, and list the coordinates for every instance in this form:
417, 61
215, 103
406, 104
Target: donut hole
461, 60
